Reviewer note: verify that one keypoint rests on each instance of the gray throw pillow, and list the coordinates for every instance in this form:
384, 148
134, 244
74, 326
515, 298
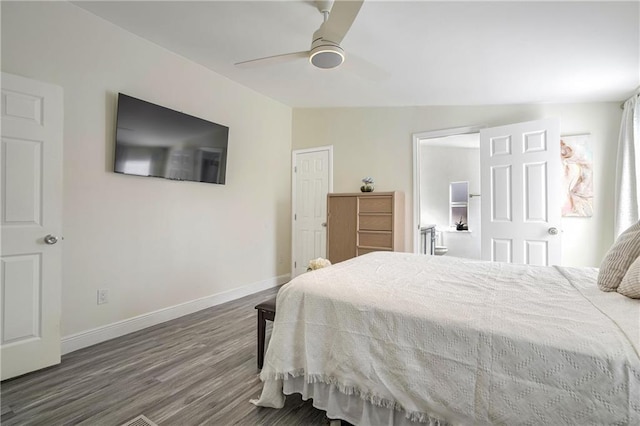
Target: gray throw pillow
630, 285
620, 256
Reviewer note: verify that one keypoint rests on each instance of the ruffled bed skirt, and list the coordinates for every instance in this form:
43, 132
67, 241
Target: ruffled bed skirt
351, 408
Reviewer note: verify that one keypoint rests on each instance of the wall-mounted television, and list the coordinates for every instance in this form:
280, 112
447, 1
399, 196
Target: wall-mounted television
152, 140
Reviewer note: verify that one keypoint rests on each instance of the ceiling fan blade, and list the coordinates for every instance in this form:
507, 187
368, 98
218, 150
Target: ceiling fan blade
342, 15
365, 69
273, 60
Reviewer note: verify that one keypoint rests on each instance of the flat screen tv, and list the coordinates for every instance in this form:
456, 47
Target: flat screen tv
152, 140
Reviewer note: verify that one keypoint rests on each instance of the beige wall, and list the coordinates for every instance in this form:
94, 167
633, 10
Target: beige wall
377, 142
153, 243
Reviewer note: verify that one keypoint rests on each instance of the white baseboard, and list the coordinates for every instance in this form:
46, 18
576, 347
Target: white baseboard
91, 337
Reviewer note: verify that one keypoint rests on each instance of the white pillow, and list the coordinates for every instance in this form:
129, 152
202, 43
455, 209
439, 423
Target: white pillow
620, 256
630, 285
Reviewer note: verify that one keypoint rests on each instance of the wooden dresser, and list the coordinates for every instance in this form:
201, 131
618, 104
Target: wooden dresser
359, 223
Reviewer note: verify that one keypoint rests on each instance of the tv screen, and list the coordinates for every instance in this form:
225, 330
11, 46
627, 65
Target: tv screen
152, 140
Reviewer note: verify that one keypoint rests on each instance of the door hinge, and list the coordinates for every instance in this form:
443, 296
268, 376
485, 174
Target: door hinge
295, 216
295, 169
295, 264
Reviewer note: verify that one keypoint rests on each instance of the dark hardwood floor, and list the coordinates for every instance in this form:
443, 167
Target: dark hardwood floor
196, 370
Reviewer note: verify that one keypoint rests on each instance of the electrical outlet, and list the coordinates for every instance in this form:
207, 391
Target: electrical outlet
103, 296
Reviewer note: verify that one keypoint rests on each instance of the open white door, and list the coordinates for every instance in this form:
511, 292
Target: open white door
312, 180
31, 224
521, 176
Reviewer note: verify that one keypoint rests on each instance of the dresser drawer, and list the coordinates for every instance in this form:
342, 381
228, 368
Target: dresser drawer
375, 239
382, 204
369, 222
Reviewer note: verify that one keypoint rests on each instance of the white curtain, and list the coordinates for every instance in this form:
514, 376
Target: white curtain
627, 172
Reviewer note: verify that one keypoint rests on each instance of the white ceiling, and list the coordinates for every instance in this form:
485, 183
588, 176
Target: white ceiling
430, 53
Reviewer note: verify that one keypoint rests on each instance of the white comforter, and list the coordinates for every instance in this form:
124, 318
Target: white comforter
461, 341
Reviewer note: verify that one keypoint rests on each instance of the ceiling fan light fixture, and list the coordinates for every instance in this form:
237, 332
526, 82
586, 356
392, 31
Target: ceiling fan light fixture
326, 56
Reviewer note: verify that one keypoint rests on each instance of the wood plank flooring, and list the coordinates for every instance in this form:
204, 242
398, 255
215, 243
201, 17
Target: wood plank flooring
196, 370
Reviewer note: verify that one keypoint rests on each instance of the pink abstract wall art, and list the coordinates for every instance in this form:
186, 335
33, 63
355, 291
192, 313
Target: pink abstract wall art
577, 164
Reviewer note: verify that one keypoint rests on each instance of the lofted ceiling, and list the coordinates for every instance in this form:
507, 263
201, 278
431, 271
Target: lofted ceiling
406, 53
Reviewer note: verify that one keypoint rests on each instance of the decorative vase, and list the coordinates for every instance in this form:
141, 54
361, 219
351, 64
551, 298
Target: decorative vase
367, 187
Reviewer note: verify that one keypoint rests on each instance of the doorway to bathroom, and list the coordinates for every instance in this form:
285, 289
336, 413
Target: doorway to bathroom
518, 169
447, 192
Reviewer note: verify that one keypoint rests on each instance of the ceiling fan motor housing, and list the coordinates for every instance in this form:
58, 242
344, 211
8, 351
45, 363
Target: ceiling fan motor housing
326, 55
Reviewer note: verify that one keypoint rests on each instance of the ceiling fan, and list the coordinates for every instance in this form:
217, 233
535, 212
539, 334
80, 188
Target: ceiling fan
325, 51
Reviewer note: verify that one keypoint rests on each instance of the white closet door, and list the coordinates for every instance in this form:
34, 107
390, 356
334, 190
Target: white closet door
312, 180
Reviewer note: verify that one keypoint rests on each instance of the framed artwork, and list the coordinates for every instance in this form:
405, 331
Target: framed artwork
577, 164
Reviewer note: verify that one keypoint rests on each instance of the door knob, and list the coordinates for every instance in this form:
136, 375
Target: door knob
324, 224
553, 231
50, 239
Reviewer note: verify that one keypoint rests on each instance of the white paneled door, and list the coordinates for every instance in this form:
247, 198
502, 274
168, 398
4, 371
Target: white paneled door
312, 180
521, 178
31, 225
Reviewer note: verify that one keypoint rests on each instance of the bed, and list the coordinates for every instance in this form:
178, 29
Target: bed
408, 339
